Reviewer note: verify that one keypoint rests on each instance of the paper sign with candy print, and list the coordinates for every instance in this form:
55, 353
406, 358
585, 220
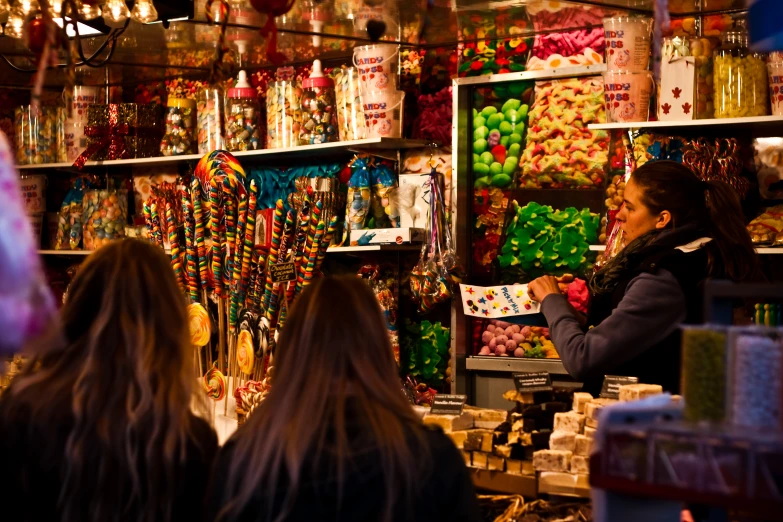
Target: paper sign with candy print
678, 81
497, 301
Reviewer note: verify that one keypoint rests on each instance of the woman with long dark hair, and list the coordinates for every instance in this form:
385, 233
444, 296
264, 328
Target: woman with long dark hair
679, 231
99, 425
336, 438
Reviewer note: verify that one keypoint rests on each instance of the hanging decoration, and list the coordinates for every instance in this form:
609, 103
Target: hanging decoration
272, 9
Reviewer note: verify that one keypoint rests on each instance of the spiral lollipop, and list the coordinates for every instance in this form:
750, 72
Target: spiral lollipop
145, 210
249, 241
200, 325
277, 231
176, 259
236, 269
215, 384
258, 291
315, 216
310, 268
325, 242
201, 247
191, 256
157, 235
218, 237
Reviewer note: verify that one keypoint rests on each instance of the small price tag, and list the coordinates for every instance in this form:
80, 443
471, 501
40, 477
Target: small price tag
448, 404
612, 383
530, 382
282, 272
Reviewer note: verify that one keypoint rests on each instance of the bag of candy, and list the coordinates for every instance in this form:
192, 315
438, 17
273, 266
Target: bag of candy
385, 208
358, 200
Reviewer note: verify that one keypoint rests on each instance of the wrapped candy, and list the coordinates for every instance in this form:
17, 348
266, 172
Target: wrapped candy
370, 273
105, 216
384, 198
358, 201
26, 302
69, 222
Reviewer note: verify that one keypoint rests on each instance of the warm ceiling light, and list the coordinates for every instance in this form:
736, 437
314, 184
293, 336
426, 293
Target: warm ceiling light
26, 6
15, 25
55, 7
144, 12
90, 12
116, 11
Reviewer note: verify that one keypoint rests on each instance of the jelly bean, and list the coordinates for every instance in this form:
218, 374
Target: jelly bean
283, 114
37, 134
740, 84
105, 224
211, 110
350, 113
242, 124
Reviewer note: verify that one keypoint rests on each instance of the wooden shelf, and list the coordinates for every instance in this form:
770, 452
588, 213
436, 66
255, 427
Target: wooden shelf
754, 122
65, 252
546, 74
501, 482
270, 155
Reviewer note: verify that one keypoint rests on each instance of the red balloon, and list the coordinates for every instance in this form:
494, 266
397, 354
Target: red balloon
35, 35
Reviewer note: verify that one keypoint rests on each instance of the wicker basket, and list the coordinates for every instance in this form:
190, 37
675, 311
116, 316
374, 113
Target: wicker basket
506, 508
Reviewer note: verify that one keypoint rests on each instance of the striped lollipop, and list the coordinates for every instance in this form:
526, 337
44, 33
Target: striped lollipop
201, 247
277, 231
191, 254
311, 259
218, 236
176, 259
215, 384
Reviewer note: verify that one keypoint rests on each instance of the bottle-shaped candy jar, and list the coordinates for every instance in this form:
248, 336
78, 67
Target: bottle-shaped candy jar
180, 125
242, 116
319, 116
211, 109
740, 78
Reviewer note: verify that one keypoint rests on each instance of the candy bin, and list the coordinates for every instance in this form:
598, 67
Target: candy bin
243, 117
211, 109
283, 114
704, 373
701, 50
36, 135
180, 122
105, 216
350, 114
319, 119
485, 53
498, 138
739, 77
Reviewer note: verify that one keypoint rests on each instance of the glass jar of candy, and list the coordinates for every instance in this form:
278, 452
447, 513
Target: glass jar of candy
180, 122
701, 50
105, 216
350, 113
37, 134
211, 113
739, 78
319, 118
242, 117
283, 114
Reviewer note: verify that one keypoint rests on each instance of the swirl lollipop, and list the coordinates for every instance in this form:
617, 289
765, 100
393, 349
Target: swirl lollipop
200, 325
215, 384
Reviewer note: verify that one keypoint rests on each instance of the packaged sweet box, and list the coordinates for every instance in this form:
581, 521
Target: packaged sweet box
123, 130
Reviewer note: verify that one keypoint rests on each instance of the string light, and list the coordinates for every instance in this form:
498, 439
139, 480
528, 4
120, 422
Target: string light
116, 11
90, 12
5, 7
55, 7
15, 25
26, 7
144, 12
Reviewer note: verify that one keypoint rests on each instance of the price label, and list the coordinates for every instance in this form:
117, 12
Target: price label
530, 382
448, 404
612, 383
282, 272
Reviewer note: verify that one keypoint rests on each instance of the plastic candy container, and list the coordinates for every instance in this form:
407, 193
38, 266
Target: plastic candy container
242, 118
180, 122
36, 135
350, 114
740, 78
283, 114
319, 118
755, 391
105, 216
485, 53
211, 110
701, 50
704, 373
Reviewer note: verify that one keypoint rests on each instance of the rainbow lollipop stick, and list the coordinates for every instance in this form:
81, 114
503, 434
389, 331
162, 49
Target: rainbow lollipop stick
190, 247
176, 258
201, 247
277, 231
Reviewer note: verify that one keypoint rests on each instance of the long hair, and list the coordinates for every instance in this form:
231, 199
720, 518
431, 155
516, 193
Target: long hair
711, 205
334, 347
124, 372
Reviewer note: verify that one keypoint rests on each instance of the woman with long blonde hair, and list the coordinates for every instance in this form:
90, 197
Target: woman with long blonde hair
99, 426
336, 438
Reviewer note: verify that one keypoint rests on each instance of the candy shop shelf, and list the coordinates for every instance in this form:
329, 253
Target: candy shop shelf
372, 248
515, 364
563, 72
759, 124
500, 482
305, 151
761, 250
65, 252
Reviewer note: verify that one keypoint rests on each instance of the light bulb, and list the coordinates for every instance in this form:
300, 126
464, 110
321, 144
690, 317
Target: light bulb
14, 27
5, 7
55, 7
116, 11
144, 12
90, 12
27, 6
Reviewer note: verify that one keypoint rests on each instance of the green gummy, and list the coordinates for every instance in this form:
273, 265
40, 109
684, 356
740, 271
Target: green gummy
515, 138
501, 180
504, 141
488, 111
495, 168
479, 146
479, 121
512, 104
482, 182
510, 166
480, 133
480, 169
494, 120
487, 158
506, 128
513, 149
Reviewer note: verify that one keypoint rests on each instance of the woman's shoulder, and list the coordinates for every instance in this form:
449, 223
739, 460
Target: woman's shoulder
203, 436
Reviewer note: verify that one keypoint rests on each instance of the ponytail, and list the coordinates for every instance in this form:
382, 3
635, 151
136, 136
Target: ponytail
713, 205
726, 225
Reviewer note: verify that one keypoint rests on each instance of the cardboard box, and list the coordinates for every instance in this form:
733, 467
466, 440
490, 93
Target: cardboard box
386, 236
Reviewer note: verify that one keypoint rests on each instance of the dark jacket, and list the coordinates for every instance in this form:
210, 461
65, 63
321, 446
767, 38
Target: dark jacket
32, 474
443, 491
634, 330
